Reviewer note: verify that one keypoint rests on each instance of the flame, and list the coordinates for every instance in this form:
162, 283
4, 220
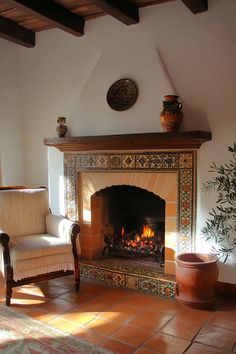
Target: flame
147, 232
122, 231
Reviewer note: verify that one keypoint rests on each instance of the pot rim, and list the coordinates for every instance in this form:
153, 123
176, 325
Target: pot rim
189, 263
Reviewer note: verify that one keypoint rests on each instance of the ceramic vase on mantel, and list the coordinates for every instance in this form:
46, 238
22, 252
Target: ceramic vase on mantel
171, 116
61, 128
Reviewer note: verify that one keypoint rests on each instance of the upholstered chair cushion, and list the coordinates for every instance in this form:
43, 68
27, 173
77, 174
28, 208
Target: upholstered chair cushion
25, 247
23, 212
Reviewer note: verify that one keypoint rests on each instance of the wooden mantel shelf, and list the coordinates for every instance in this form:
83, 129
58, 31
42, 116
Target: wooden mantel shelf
145, 141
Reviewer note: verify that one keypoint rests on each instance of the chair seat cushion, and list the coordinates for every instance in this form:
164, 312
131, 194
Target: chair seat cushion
34, 246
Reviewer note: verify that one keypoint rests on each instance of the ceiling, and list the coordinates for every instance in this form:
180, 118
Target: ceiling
20, 19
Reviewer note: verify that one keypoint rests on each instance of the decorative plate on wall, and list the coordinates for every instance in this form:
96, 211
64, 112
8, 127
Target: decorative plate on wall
122, 94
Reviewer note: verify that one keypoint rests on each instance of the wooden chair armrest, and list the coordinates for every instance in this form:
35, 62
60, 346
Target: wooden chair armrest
75, 230
4, 239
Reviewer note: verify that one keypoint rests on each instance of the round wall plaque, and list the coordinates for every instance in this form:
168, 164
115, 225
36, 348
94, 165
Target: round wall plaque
122, 94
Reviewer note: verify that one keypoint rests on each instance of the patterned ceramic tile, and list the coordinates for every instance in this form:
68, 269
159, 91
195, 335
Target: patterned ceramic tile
118, 279
156, 287
128, 161
96, 274
131, 282
115, 161
143, 161
185, 160
86, 161
164, 161
102, 161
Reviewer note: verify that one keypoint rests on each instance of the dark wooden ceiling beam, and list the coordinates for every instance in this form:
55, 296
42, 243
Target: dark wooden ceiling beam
124, 11
52, 13
13, 32
196, 6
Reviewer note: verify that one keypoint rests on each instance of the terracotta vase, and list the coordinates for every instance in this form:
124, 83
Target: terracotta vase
61, 128
196, 277
171, 116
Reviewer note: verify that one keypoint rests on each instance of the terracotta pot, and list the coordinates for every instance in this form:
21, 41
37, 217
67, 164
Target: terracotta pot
196, 277
171, 116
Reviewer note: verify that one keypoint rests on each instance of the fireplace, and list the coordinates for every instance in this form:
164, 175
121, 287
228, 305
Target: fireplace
163, 164
169, 175
133, 223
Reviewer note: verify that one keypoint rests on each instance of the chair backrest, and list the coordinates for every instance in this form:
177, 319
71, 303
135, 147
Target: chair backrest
23, 212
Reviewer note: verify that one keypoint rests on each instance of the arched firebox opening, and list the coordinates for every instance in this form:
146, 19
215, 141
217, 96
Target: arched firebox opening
133, 223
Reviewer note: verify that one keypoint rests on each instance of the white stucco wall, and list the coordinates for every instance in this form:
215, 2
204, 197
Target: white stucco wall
11, 162
68, 76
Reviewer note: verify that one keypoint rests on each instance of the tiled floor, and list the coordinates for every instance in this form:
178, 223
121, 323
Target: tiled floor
126, 322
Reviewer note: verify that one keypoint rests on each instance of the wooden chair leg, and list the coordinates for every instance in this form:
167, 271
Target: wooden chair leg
9, 280
77, 275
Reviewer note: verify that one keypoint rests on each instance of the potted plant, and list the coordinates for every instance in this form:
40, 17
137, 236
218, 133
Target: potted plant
221, 224
197, 273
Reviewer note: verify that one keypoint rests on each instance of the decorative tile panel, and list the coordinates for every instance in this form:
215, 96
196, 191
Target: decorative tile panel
145, 281
181, 162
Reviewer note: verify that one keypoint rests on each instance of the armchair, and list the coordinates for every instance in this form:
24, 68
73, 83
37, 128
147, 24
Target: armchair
34, 244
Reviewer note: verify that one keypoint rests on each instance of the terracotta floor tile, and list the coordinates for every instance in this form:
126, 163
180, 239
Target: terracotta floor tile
41, 315
28, 300
145, 351
102, 326
167, 344
76, 297
132, 335
116, 316
182, 329
168, 306
125, 308
90, 336
66, 282
111, 296
221, 338
151, 320
64, 325
94, 306
224, 319
117, 347
140, 300
29, 290
127, 322
57, 306
79, 318
92, 288
197, 316
197, 348
30, 293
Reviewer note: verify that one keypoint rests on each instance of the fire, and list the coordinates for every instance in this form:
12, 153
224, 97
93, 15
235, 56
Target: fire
147, 232
122, 231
